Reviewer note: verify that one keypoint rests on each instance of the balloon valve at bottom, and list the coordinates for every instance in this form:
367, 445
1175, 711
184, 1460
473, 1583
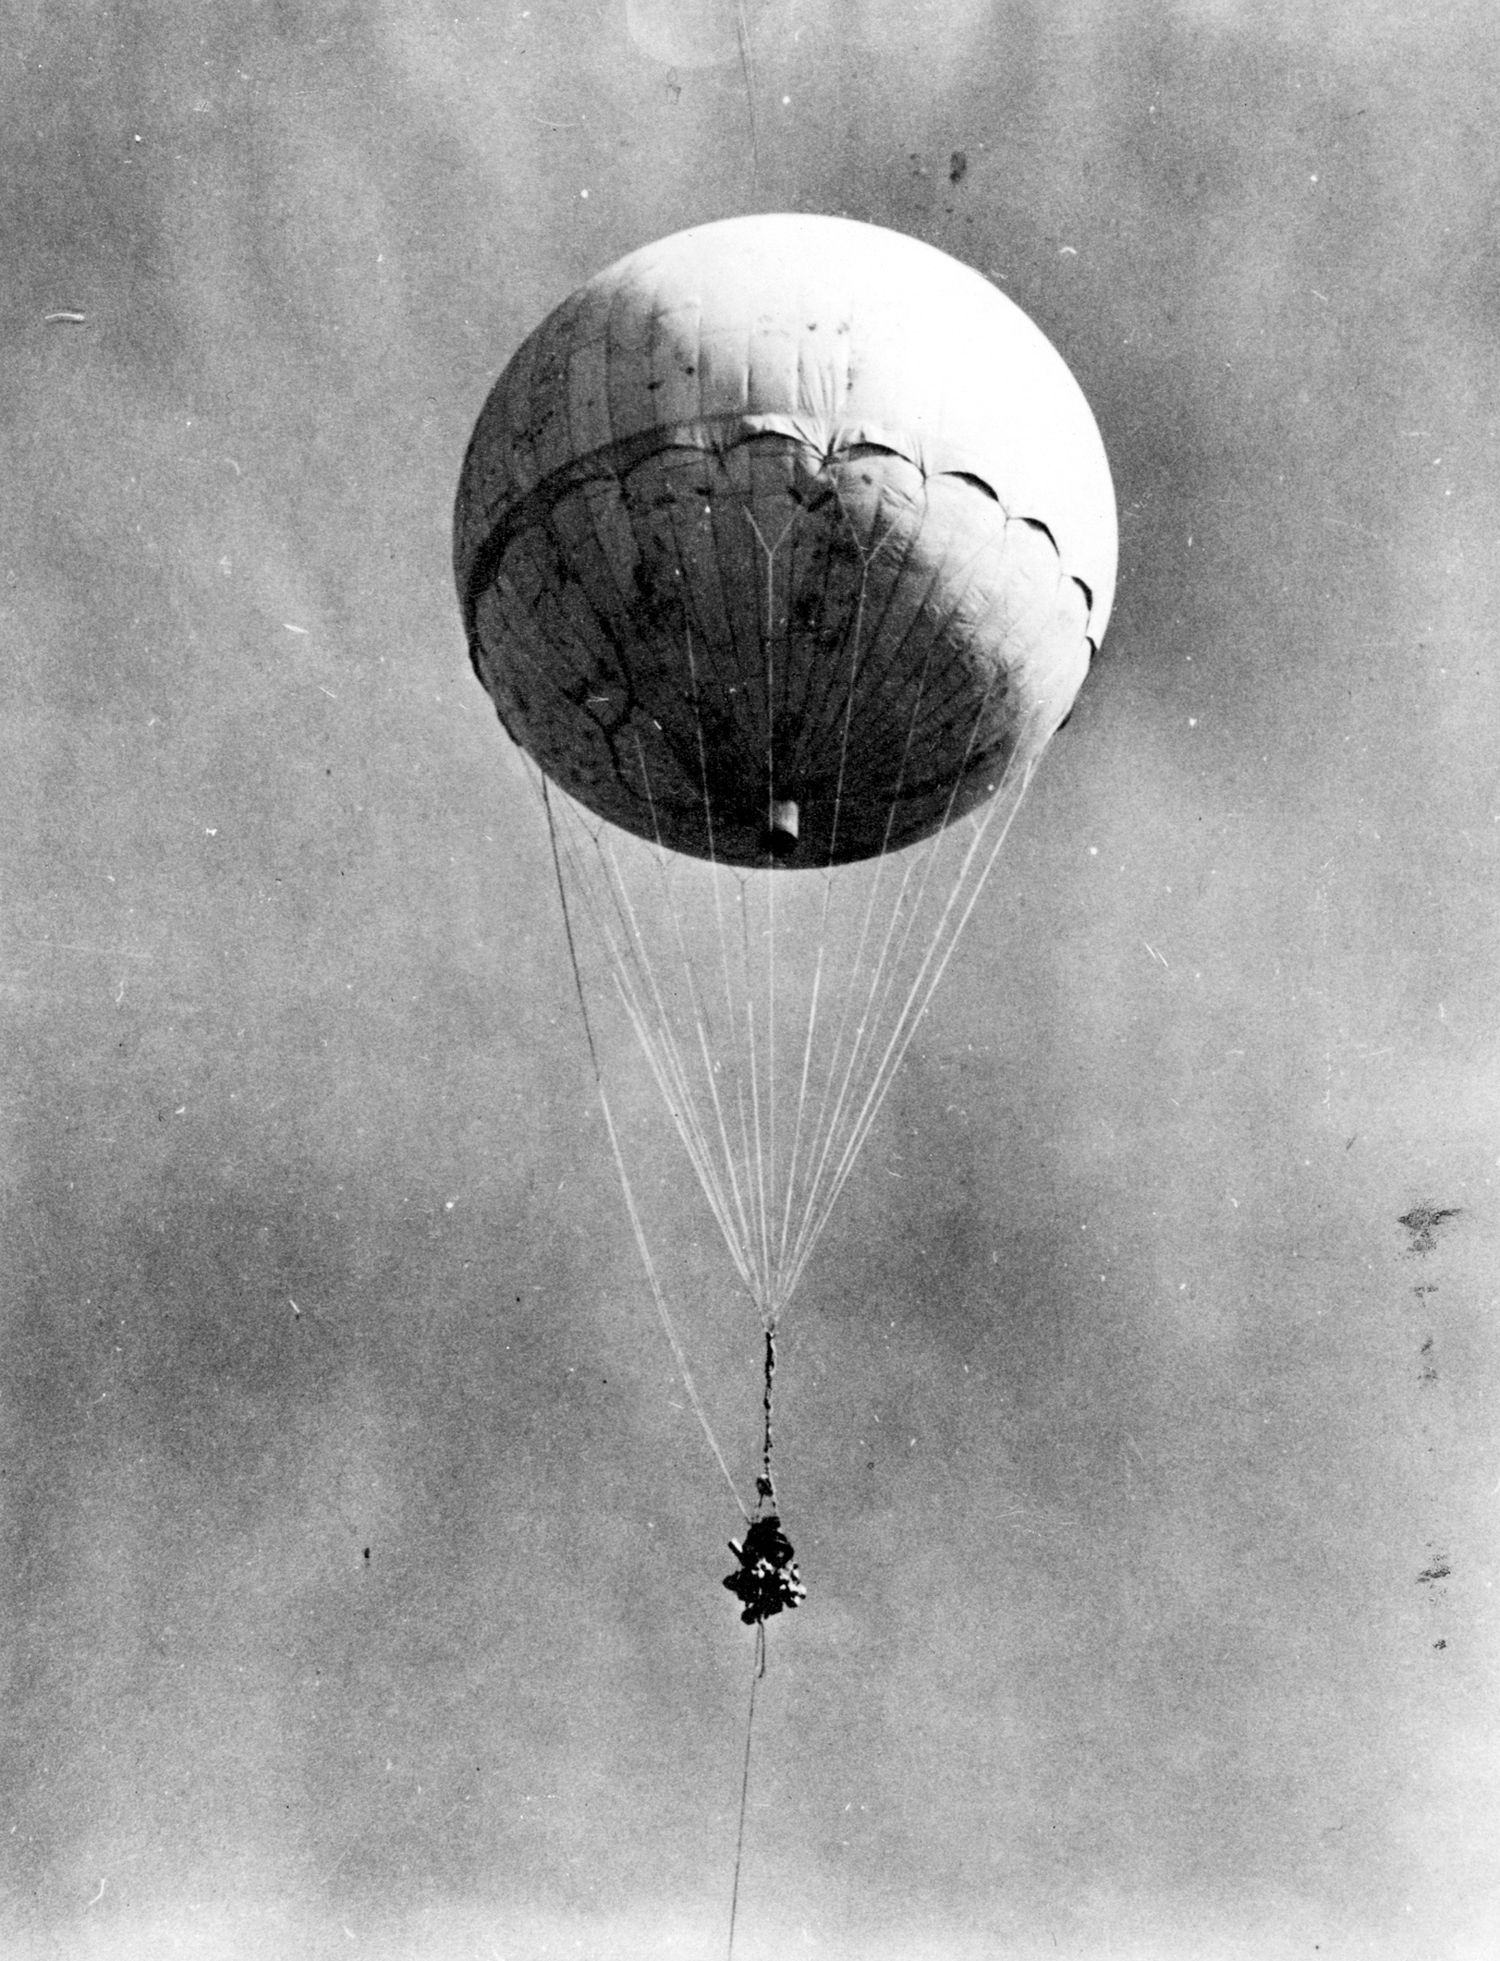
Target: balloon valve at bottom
782, 831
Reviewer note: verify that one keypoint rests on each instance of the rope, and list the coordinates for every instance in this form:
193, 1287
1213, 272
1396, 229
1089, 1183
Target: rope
644, 1249
764, 1488
758, 1669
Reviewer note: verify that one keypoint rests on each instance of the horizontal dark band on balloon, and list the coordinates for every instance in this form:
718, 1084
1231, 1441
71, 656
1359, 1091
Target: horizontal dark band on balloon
618, 459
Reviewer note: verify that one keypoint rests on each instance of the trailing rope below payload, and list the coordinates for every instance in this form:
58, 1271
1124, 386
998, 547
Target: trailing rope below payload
757, 1670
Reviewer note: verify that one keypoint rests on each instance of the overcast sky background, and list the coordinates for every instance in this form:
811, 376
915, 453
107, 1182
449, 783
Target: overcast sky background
1143, 1466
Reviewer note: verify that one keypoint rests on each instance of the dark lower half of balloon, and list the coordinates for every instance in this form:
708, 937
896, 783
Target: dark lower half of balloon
756, 654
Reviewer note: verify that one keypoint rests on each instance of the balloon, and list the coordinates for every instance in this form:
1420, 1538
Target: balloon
784, 541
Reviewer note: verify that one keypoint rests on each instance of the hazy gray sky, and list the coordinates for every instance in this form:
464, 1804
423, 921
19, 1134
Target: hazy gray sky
362, 1565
